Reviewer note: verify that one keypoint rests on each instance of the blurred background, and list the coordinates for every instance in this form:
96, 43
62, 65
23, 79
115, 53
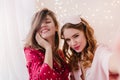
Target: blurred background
15, 20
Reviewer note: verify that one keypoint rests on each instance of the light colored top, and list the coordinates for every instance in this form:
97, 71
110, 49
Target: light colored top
99, 68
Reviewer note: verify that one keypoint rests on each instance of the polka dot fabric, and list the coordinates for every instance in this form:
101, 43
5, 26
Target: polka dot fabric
41, 71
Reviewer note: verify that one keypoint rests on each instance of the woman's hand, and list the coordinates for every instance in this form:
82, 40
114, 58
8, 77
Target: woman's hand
71, 76
114, 62
42, 42
114, 66
48, 50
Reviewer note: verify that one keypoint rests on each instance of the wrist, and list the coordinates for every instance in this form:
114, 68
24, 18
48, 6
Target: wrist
49, 47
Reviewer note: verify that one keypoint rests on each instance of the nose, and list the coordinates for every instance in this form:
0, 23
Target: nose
43, 24
73, 42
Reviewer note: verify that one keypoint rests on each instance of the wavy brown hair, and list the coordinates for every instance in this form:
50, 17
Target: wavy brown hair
35, 26
86, 56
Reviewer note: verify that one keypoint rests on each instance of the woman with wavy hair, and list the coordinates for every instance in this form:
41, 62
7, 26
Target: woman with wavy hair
87, 59
43, 56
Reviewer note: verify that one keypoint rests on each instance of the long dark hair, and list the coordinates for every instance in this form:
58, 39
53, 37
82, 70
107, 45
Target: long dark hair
36, 24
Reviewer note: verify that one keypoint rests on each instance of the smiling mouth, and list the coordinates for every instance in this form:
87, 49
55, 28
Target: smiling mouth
77, 47
44, 31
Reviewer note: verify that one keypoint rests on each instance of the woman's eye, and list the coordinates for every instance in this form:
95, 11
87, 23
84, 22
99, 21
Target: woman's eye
75, 36
48, 21
67, 40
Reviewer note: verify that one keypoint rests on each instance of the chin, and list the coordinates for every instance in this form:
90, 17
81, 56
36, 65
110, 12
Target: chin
78, 51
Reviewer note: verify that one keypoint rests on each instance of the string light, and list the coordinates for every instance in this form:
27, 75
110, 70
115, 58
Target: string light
42, 4
97, 10
103, 16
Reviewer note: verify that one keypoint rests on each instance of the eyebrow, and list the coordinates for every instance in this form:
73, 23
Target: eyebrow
72, 36
75, 34
46, 19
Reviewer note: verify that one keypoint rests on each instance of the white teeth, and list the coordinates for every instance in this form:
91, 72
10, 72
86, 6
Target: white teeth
44, 31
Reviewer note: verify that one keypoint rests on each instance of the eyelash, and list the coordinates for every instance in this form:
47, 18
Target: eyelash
48, 21
67, 40
76, 36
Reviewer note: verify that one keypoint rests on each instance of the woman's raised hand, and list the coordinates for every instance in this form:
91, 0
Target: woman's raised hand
42, 42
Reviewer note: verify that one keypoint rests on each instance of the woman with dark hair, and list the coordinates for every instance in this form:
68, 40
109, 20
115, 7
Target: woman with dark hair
88, 60
44, 58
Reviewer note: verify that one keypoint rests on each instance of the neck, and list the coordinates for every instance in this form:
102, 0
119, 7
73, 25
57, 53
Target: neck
52, 42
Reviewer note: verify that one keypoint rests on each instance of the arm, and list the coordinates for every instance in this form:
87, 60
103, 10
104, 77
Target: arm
48, 50
114, 62
48, 57
38, 70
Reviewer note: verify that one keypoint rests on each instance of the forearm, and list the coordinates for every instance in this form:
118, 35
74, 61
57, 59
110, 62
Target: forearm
49, 57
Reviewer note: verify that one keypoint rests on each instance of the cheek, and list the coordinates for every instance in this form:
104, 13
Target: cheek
39, 31
83, 42
68, 43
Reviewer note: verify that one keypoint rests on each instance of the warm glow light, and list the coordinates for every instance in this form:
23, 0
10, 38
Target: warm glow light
102, 15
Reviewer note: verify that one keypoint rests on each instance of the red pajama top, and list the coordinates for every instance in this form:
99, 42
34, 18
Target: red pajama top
41, 71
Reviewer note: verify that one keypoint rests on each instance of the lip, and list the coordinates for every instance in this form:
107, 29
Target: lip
44, 30
77, 47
